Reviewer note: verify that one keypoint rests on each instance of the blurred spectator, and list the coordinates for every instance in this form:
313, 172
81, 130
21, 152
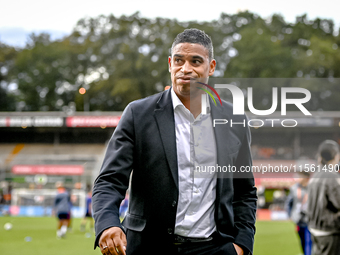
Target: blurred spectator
1, 196
88, 214
296, 208
1, 201
7, 194
5, 197
279, 199
261, 199
323, 204
62, 208
72, 200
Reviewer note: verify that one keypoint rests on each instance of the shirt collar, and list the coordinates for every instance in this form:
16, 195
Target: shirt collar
175, 100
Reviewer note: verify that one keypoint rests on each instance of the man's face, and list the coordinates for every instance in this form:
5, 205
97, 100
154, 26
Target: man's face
189, 60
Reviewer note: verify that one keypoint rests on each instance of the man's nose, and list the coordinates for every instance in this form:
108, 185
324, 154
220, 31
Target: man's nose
186, 67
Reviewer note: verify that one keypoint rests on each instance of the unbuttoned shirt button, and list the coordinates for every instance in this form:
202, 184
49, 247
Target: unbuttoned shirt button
170, 231
174, 203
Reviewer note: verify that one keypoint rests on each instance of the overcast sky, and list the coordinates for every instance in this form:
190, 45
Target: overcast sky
21, 17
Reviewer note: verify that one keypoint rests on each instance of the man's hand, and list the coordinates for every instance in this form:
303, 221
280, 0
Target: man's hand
238, 249
113, 241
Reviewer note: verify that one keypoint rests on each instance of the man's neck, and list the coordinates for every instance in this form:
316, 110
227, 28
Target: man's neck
192, 103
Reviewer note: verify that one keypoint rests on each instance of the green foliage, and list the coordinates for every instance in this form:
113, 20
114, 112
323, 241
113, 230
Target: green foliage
118, 60
7, 56
43, 69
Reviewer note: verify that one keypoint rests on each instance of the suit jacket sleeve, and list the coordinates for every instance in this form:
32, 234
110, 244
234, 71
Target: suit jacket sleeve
113, 180
245, 199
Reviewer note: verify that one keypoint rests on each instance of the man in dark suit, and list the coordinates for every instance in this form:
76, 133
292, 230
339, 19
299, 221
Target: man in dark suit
167, 141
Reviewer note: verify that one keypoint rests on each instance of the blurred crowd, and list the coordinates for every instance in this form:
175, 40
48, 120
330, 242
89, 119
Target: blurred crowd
313, 203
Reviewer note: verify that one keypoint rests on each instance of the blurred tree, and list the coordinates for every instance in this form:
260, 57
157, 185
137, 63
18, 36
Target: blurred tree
117, 60
273, 49
7, 58
126, 58
259, 53
46, 80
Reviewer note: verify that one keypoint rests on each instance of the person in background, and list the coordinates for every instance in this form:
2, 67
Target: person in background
323, 203
296, 208
88, 214
73, 199
1, 201
7, 195
62, 208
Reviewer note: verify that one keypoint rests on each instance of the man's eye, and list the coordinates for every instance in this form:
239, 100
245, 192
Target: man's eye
196, 62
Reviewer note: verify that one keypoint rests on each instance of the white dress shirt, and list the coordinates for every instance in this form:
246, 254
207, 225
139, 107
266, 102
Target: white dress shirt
196, 147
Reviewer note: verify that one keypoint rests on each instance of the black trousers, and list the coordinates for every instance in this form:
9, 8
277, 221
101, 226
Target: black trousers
154, 245
207, 248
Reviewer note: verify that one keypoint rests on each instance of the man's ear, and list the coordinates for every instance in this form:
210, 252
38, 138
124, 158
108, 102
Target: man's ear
169, 62
212, 67
337, 158
319, 159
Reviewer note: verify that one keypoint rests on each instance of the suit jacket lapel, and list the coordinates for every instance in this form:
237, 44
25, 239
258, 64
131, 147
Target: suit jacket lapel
222, 138
164, 115
222, 133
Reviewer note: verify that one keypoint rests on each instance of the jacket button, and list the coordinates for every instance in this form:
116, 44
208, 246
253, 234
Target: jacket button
174, 203
170, 231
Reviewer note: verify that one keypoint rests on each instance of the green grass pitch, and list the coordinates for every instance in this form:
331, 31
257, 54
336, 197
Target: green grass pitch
276, 237
271, 237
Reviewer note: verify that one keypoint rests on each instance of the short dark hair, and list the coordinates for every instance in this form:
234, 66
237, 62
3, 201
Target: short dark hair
328, 150
194, 35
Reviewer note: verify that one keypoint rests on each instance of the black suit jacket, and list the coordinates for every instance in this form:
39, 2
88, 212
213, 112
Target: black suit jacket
145, 142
